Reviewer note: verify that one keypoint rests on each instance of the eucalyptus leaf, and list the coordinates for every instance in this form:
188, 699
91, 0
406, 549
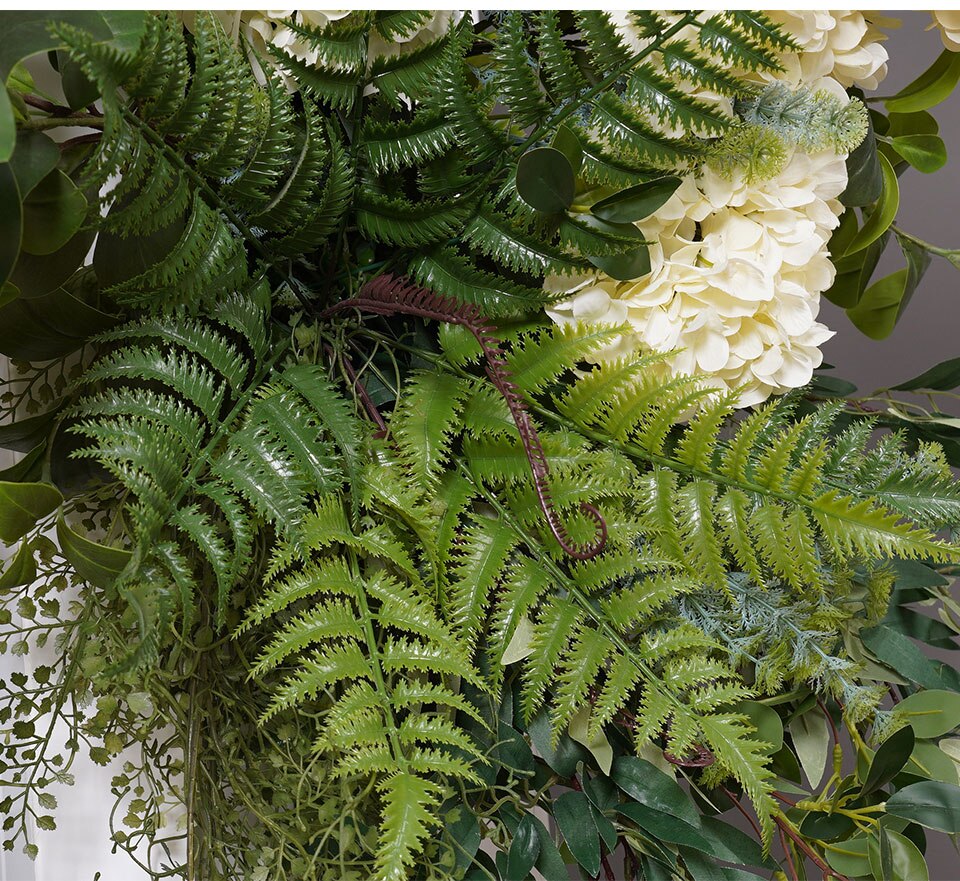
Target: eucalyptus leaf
932, 712
11, 221
546, 180
637, 202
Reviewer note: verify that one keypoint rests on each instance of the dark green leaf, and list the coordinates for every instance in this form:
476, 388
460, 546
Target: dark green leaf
52, 213
889, 759
734, 845
575, 820
917, 123
636, 203
767, 722
850, 857
11, 220
894, 857
624, 267
649, 786
930, 88
666, 827
77, 89
569, 144
930, 803
33, 160
37, 276
549, 863
563, 758
524, 849
23, 435
22, 505
827, 827
882, 214
96, 563
512, 750
545, 180
883, 302
608, 832
864, 178
941, 377
898, 652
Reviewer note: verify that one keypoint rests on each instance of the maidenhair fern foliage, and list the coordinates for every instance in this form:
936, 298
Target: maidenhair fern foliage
367, 560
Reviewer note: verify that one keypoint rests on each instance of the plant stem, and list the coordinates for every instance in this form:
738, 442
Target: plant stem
44, 123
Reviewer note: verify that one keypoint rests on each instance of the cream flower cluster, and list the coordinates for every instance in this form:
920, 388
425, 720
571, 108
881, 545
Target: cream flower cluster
740, 300
737, 265
947, 21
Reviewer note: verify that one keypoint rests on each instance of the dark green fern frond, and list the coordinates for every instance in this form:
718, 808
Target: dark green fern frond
519, 80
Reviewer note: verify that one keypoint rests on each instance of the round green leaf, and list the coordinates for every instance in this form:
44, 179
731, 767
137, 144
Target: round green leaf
930, 803
22, 505
569, 144
96, 563
917, 123
33, 159
52, 213
889, 759
545, 180
767, 722
931, 87
883, 213
932, 713
896, 858
636, 203
827, 827
926, 153
850, 857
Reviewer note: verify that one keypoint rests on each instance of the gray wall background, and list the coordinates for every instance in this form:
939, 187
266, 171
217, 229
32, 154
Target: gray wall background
930, 209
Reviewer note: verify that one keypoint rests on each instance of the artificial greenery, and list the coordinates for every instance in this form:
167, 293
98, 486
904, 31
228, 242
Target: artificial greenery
353, 565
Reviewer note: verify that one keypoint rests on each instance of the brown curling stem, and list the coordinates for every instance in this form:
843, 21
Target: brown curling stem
386, 295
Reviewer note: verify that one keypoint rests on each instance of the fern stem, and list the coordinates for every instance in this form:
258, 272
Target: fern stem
606, 82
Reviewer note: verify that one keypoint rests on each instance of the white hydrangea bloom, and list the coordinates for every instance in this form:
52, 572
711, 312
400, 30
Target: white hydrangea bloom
740, 300
947, 21
840, 43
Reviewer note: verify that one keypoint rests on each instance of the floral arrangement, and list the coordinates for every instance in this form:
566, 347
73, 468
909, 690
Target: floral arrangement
427, 468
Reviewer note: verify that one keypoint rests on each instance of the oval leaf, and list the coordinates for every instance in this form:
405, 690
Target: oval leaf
524, 849
573, 816
636, 203
931, 713
52, 213
930, 803
926, 153
889, 759
22, 569
931, 87
545, 180
624, 267
883, 214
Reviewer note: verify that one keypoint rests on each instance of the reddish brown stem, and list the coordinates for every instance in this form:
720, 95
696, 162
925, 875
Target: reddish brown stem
744, 811
386, 295
810, 853
784, 799
788, 856
829, 718
362, 393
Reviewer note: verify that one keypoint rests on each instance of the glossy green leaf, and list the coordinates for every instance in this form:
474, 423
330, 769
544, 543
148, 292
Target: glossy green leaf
624, 267
549, 863
11, 221
77, 89
512, 750
931, 713
23, 435
637, 202
22, 569
664, 827
811, 740
562, 758
883, 213
926, 153
52, 214
96, 563
882, 304
572, 813
22, 505
826, 826
734, 845
889, 759
651, 787
524, 849
37, 276
545, 180
930, 803
894, 857
608, 832
864, 177
930, 88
